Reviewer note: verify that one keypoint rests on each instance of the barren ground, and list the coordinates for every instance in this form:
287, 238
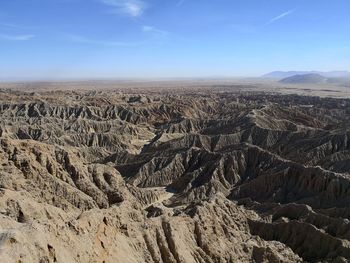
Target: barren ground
174, 171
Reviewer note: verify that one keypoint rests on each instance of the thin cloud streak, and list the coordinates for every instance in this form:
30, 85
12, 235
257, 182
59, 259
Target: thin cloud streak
273, 20
15, 26
134, 8
8, 25
180, 2
17, 37
154, 30
84, 40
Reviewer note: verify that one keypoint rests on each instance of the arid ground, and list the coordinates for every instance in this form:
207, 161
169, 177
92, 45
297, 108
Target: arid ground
174, 171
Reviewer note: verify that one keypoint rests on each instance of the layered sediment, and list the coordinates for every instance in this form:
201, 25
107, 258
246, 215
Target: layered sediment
173, 176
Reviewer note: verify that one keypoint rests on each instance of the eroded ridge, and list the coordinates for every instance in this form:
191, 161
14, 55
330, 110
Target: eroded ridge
184, 175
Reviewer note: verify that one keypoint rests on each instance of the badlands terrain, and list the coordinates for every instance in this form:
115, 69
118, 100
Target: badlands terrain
174, 172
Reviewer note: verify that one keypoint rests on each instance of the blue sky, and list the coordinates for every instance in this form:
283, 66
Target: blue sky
43, 39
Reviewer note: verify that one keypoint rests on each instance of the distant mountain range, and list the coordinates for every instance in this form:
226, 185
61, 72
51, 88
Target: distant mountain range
287, 74
311, 78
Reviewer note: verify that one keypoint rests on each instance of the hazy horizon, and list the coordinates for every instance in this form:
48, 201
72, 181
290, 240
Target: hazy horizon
153, 39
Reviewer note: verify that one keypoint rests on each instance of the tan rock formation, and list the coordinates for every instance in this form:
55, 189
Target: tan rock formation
173, 176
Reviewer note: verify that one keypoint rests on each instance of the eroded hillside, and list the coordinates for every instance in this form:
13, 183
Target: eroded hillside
173, 176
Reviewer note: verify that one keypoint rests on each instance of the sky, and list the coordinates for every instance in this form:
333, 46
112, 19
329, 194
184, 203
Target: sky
91, 39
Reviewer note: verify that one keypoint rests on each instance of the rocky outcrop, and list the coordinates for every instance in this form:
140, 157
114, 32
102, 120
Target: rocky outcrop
193, 176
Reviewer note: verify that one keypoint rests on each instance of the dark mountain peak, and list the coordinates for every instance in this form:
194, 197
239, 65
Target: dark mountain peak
311, 78
287, 74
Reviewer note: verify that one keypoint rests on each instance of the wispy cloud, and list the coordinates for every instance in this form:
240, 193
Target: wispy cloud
85, 40
8, 25
180, 2
276, 18
13, 26
132, 8
153, 30
16, 37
